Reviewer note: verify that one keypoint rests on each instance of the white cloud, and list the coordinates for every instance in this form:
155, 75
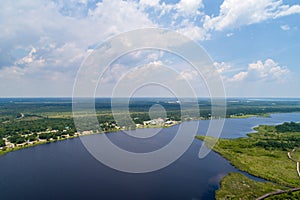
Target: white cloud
285, 27
183, 16
288, 10
119, 16
268, 70
188, 29
152, 3
260, 78
222, 67
188, 75
240, 76
236, 13
189, 7
29, 58
54, 36
185, 8
56, 42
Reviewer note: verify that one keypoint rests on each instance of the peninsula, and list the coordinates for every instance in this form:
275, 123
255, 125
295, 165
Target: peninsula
270, 153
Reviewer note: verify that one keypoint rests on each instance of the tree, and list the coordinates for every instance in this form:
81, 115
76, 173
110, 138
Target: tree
17, 139
2, 143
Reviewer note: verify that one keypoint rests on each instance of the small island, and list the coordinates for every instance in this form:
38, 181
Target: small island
270, 153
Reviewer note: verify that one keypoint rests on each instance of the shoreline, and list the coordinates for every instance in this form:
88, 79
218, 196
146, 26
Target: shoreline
77, 135
7, 150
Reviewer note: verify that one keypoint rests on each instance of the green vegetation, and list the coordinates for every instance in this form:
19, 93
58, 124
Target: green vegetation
2, 143
17, 139
263, 154
288, 127
286, 196
238, 186
242, 115
28, 122
273, 138
296, 155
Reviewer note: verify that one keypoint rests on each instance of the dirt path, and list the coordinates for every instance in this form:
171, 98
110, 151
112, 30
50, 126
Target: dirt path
284, 191
296, 161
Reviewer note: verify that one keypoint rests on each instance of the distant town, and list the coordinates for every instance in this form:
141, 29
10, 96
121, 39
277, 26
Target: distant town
50, 135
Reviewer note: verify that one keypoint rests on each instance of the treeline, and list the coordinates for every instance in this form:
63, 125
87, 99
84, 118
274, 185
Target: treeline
24, 127
287, 141
11, 108
284, 145
256, 110
2, 143
288, 127
20, 131
19, 139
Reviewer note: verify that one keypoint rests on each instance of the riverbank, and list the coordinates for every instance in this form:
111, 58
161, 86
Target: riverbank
27, 144
243, 116
16, 147
36, 143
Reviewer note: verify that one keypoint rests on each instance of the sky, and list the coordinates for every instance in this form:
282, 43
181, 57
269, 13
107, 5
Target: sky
253, 44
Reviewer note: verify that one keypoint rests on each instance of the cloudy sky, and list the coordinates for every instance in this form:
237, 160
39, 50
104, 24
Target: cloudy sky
254, 44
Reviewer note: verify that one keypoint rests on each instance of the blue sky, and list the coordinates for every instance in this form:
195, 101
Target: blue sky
254, 44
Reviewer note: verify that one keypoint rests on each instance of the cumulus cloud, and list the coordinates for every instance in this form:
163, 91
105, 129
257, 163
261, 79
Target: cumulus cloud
240, 76
188, 29
152, 3
183, 16
189, 7
268, 70
236, 13
55, 37
47, 40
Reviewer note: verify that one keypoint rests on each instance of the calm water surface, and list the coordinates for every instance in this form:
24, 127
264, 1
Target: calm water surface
65, 170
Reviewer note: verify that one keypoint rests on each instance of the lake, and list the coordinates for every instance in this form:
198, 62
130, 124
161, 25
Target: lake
65, 169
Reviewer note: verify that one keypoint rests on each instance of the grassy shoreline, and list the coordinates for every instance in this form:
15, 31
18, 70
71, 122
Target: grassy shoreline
250, 155
249, 115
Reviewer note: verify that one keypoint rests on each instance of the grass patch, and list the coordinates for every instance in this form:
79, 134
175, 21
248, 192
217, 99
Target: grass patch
296, 155
238, 186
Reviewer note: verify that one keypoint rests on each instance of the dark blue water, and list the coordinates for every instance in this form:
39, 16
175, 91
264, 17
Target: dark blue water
65, 170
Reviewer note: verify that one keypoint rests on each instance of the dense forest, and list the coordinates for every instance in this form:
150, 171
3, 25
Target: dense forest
288, 127
285, 137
